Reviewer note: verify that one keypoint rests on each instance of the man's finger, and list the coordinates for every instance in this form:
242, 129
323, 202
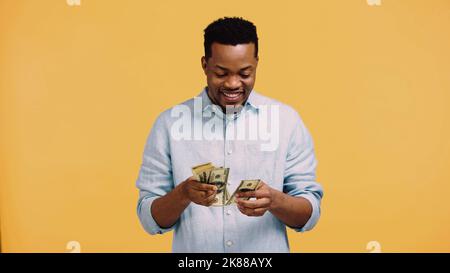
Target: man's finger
208, 201
252, 212
210, 193
259, 211
257, 194
211, 202
253, 204
210, 198
203, 187
245, 211
246, 194
199, 195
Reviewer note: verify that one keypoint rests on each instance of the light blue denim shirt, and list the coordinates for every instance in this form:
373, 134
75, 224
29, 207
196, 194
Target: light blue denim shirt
182, 137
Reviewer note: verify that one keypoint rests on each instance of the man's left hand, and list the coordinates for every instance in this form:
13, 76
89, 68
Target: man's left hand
263, 202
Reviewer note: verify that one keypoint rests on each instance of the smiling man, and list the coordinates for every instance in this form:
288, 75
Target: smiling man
288, 195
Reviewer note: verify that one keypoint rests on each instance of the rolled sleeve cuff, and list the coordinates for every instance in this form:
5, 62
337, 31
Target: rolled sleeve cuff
315, 215
146, 217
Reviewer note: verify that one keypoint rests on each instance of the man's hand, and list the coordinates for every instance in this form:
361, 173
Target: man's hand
199, 193
264, 198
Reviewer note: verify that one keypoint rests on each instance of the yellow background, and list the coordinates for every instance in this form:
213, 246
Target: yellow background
80, 87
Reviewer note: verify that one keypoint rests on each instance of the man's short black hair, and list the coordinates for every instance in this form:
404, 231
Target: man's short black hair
230, 31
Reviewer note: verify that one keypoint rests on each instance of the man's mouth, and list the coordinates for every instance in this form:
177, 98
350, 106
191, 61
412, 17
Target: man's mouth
232, 97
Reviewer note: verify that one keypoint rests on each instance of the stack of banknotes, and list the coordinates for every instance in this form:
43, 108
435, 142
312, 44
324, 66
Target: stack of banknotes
218, 176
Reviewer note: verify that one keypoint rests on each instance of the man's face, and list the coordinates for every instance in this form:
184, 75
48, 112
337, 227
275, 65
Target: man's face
231, 73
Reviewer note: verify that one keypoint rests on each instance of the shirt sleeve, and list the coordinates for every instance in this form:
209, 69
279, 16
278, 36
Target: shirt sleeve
155, 176
300, 172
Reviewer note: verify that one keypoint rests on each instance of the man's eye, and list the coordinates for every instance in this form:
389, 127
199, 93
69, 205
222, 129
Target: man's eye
220, 75
245, 76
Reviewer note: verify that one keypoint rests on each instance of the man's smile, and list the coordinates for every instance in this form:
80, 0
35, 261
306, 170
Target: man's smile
232, 97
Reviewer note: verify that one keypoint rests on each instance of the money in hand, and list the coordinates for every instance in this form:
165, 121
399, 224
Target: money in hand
219, 178
245, 186
207, 173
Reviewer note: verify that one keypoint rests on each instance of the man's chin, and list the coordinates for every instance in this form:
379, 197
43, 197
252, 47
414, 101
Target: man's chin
231, 105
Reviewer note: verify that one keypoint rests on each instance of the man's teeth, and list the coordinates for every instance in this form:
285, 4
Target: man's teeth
231, 95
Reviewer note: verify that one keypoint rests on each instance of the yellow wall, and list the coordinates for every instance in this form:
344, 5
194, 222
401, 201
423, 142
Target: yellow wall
80, 87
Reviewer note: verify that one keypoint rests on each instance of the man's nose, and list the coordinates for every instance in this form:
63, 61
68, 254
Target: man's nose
232, 82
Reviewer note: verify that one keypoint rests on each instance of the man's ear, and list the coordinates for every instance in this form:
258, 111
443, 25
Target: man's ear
203, 61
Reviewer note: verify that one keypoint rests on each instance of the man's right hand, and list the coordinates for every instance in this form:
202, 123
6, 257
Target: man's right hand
199, 193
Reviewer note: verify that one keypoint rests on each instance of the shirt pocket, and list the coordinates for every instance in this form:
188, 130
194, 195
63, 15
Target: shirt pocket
260, 164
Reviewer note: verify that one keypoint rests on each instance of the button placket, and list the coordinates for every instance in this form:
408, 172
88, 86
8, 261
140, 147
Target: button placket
229, 221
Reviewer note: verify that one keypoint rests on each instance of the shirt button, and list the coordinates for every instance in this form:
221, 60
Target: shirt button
228, 212
229, 152
229, 243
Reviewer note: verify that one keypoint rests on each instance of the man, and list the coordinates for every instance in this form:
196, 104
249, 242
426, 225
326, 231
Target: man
185, 136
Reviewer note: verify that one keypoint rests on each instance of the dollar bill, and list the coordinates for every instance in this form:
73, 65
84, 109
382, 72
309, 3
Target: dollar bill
244, 186
219, 178
202, 172
209, 174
